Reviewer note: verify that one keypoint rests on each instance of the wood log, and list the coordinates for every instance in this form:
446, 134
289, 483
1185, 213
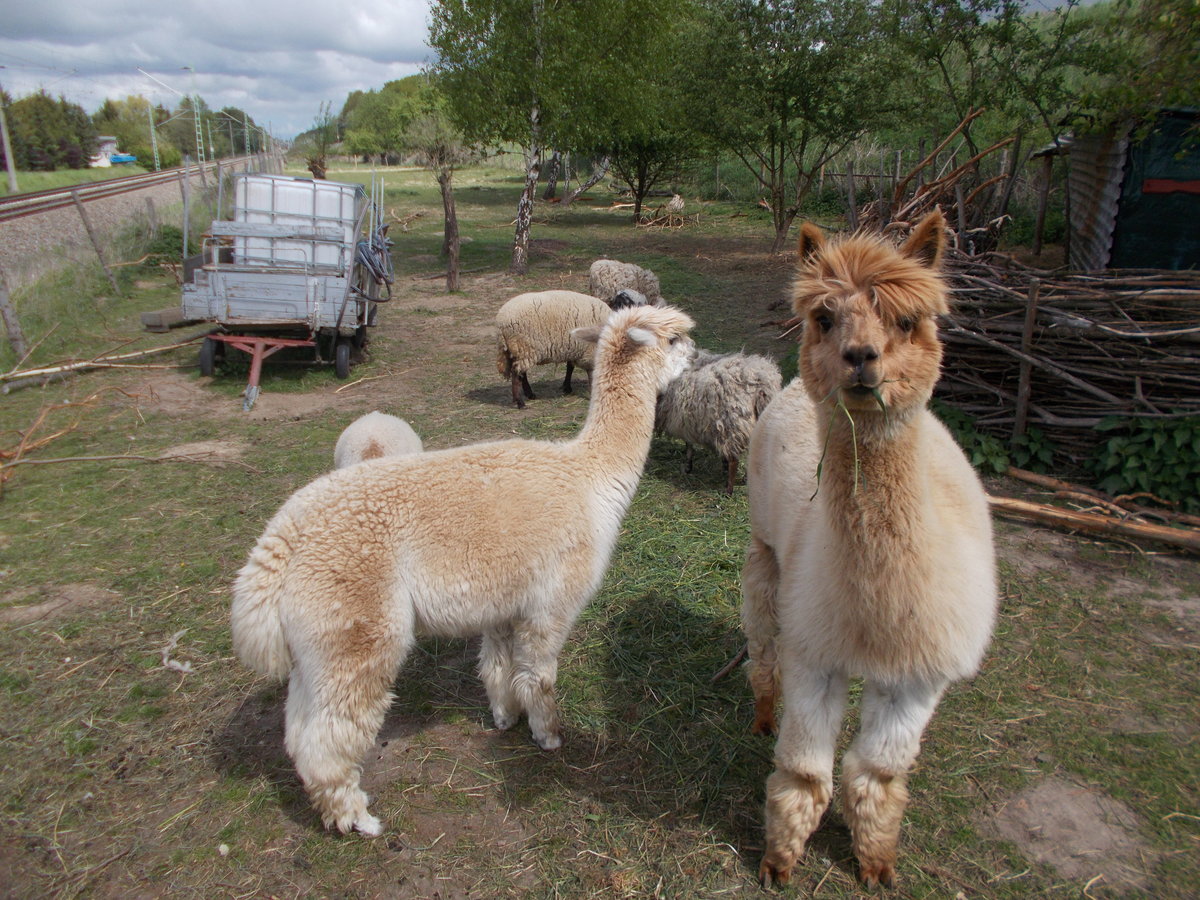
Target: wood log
1092, 523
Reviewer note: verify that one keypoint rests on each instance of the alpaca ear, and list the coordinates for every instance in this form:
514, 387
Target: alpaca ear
642, 336
928, 240
589, 334
812, 240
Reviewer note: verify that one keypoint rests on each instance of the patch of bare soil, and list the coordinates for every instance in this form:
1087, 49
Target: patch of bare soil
1081, 833
63, 600
216, 453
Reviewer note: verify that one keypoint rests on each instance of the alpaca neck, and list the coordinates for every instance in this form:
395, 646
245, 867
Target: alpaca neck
620, 420
872, 473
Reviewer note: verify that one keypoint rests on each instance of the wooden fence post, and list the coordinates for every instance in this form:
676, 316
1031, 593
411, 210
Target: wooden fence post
152, 216
1025, 372
852, 201
12, 325
95, 242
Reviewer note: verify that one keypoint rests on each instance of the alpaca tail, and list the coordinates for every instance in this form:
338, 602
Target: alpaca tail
258, 637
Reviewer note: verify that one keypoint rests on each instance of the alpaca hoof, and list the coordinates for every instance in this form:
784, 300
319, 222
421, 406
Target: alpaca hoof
503, 721
548, 742
774, 873
764, 726
875, 874
368, 826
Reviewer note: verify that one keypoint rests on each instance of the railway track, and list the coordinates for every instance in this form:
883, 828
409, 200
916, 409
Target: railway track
33, 202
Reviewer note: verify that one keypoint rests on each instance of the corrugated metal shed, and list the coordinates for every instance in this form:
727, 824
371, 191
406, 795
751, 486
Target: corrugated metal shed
1134, 203
1095, 165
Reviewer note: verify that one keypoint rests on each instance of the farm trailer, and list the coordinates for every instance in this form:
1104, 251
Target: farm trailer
301, 263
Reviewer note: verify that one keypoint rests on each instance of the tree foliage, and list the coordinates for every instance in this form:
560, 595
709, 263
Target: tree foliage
49, 134
785, 85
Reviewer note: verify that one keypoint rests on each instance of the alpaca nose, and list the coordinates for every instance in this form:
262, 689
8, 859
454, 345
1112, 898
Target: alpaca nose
859, 356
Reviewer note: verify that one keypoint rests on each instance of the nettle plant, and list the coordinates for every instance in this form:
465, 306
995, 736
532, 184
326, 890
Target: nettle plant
1151, 456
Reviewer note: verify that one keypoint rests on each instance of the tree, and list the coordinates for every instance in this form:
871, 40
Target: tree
49, 134
375, 122
439, 147
538, 74
785, 85
319, 139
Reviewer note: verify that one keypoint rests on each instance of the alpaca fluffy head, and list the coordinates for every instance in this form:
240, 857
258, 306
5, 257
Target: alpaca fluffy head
636, 329
869, 308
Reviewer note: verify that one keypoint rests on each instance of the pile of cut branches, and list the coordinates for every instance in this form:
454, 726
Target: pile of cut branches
1062, 352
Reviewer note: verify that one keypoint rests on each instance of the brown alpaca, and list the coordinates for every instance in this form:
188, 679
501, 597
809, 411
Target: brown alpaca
871, 546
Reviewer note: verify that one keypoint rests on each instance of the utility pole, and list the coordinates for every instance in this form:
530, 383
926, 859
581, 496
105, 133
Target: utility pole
8, 157
153, 135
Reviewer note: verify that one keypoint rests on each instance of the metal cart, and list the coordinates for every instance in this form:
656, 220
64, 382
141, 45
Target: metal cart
302, 263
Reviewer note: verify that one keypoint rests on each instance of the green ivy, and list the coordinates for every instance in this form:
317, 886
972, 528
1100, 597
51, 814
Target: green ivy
986, 452
1153, 456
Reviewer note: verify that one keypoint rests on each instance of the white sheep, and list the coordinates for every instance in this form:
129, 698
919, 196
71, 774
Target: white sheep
508, 539
870, 545
374, 435
607, 276
536, 328
627, 297
716, 403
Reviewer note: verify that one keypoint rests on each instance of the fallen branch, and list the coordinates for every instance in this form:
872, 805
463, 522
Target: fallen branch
1093, 523
100, 362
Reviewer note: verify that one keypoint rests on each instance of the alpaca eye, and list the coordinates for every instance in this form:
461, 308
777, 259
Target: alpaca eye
673, 341
824, 321
907, 324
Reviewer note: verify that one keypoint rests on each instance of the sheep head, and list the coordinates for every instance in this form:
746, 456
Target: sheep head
870, 337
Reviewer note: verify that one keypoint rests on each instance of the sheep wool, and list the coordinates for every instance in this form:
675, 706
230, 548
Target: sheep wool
372, 436
508, 540
716, 403
535, 328
607, 276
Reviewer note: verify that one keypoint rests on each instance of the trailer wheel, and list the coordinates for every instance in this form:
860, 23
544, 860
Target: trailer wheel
341, 359
208, 356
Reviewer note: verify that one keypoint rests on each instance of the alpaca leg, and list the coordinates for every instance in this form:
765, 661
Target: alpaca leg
799, 789
567, 389
536, 646
875, 771
334, 711
760, 581
496, 671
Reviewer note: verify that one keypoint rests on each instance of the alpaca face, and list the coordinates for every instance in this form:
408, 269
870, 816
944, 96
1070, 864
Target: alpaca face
870, 338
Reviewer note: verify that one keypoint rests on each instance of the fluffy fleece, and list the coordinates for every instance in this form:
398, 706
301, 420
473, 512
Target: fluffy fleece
871, 545
374, 435
508, 539
536, 328
607, 276
716, 403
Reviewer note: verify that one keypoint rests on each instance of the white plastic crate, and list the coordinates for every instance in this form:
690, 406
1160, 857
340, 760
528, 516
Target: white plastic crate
304, 203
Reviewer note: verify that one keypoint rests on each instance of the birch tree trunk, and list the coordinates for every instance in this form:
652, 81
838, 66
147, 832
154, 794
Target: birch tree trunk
520, 252
599, 172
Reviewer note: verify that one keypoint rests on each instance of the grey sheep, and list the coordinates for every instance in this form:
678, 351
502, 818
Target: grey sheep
535, 328
716, 402
373, 436
607, 276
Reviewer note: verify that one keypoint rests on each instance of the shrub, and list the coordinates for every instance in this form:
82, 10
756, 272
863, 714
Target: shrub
1160, 457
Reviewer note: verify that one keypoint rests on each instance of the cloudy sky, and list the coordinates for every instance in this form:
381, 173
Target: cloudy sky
278, 61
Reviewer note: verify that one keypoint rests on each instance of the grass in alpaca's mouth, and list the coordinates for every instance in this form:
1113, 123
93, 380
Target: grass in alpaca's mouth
860, 389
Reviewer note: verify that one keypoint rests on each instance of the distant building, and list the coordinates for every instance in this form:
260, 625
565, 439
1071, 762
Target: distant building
106, 146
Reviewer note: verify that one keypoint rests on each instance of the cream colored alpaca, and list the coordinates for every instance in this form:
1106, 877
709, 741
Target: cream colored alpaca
507, 539
871, 545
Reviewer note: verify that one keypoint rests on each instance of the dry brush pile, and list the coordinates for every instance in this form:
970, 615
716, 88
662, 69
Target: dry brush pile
1062, 352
